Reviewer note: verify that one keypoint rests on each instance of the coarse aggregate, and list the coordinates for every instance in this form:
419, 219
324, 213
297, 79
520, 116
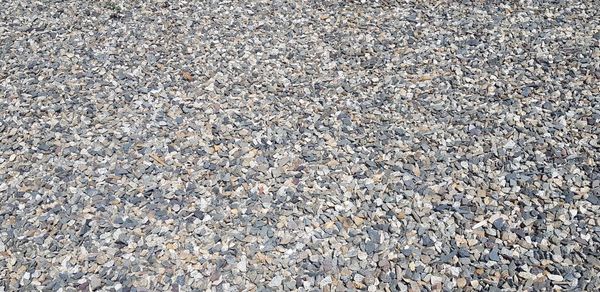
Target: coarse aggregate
299, 145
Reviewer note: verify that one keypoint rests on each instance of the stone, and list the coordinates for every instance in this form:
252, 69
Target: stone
555, 278
276, 281
95, 282
493, 255
311, 145
325, 281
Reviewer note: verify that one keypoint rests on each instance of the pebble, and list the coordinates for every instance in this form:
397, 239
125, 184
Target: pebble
499, 224
494, 255
242, 265
326, 281
555, 278
436, 281
95, 282
276, 281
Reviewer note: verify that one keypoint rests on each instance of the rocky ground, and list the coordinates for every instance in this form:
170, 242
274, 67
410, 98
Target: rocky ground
309, 145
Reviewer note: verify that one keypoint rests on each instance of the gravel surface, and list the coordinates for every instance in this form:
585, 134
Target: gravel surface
309, 145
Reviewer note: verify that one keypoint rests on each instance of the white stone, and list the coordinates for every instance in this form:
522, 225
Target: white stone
276, 281
556, 278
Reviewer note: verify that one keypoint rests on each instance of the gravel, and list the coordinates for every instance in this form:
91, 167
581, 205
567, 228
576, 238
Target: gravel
309, 145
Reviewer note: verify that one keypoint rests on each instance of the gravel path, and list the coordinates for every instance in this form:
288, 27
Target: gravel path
310, 145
